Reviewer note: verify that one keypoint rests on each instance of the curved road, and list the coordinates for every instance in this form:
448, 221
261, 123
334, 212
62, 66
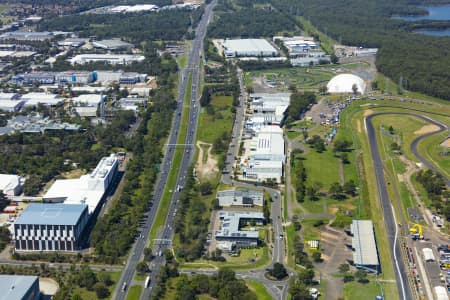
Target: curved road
389, 218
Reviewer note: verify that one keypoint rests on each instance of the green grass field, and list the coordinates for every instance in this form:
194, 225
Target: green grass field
355, 290
85, 294
431, 149
259, 289
134, 292
213, 126
322, 167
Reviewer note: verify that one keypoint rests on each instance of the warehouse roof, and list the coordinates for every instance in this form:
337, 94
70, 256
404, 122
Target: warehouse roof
112, 44
15, 286
364, 243
249, 45
51, 214
8, 181
231, 224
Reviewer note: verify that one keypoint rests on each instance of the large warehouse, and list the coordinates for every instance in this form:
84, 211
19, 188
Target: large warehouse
114, 59
50, 227
248, 47
365, 254
343, 83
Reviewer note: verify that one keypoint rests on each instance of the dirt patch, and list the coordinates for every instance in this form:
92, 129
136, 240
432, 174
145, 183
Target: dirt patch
358, 125
333, 210
427, 129
206, 166
368, 112
446, 143
48, 286
400, 178
74, 174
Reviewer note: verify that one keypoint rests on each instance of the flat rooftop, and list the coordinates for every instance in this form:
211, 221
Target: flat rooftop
15, 286
231, 221
51, 214
364, 243
249, 45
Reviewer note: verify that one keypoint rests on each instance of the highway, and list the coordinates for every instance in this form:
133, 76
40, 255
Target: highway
389, 217
137, 250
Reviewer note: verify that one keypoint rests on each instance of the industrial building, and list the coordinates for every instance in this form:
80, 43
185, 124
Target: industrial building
10, 185
19, 287
132, 103
265, 157
248, 47
35, 99
230, 228
132, 78
344, 83
268, 109
11, 105
106, 77
72, 77
365, 253
113, 44
89, 189
133, 8
240, 198
35, 124
114, 59
27, 36
73, 42
9, 96
50, 227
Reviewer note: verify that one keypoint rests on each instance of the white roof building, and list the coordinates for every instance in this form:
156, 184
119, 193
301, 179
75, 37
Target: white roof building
113, 44
240, 198
344, 83
92, 100
106, 77
365, 255
248, 47
10, 185
9, 96
11, 105
88, 189
34, 99
113, 59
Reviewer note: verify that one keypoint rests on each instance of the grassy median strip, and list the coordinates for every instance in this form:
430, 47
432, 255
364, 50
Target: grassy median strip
135, 292
259, 289
164, 204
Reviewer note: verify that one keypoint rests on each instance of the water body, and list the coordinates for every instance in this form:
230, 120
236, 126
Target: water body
435, 12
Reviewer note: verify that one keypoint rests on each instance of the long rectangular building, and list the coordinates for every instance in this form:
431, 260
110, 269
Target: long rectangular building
248, 47
365, 253
240, 198
50, 227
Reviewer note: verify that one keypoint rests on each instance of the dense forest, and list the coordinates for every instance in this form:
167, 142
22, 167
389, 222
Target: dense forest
164, 25
421, 60
248, 22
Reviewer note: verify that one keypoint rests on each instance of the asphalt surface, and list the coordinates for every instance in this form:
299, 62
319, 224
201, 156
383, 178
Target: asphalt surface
188, 151
389, 218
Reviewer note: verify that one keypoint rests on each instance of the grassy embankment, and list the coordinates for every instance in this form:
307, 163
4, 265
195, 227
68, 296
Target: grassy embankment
134, 292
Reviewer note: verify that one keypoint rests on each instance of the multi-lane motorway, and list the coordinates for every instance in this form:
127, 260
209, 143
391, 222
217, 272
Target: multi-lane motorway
388, 213
188, 149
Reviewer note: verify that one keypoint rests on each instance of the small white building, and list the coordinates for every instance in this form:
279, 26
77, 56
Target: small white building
113, 44
10, 185
440, 293
106, 77
428, 255
34, 99
92, 100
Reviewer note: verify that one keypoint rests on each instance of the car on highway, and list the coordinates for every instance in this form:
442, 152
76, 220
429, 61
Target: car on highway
281, 236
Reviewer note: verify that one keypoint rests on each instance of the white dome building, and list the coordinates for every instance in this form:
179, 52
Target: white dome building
343, 83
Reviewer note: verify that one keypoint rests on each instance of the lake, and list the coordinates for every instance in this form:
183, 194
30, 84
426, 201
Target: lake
435, 12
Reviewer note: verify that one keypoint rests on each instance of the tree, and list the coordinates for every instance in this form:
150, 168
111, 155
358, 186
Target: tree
348, 277
391, 129
334, 59
278, 271
101, 290
361, 275
206, 188
317, 256
355, 89
306, 275
335, 189
344, 158
344, 268
350, 187
105, 278
323, 89
395, 147
142, 267
299, 291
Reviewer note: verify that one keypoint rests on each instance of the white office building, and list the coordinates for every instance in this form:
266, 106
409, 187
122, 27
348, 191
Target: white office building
11, 105
230, 228
88, 189
240, 198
